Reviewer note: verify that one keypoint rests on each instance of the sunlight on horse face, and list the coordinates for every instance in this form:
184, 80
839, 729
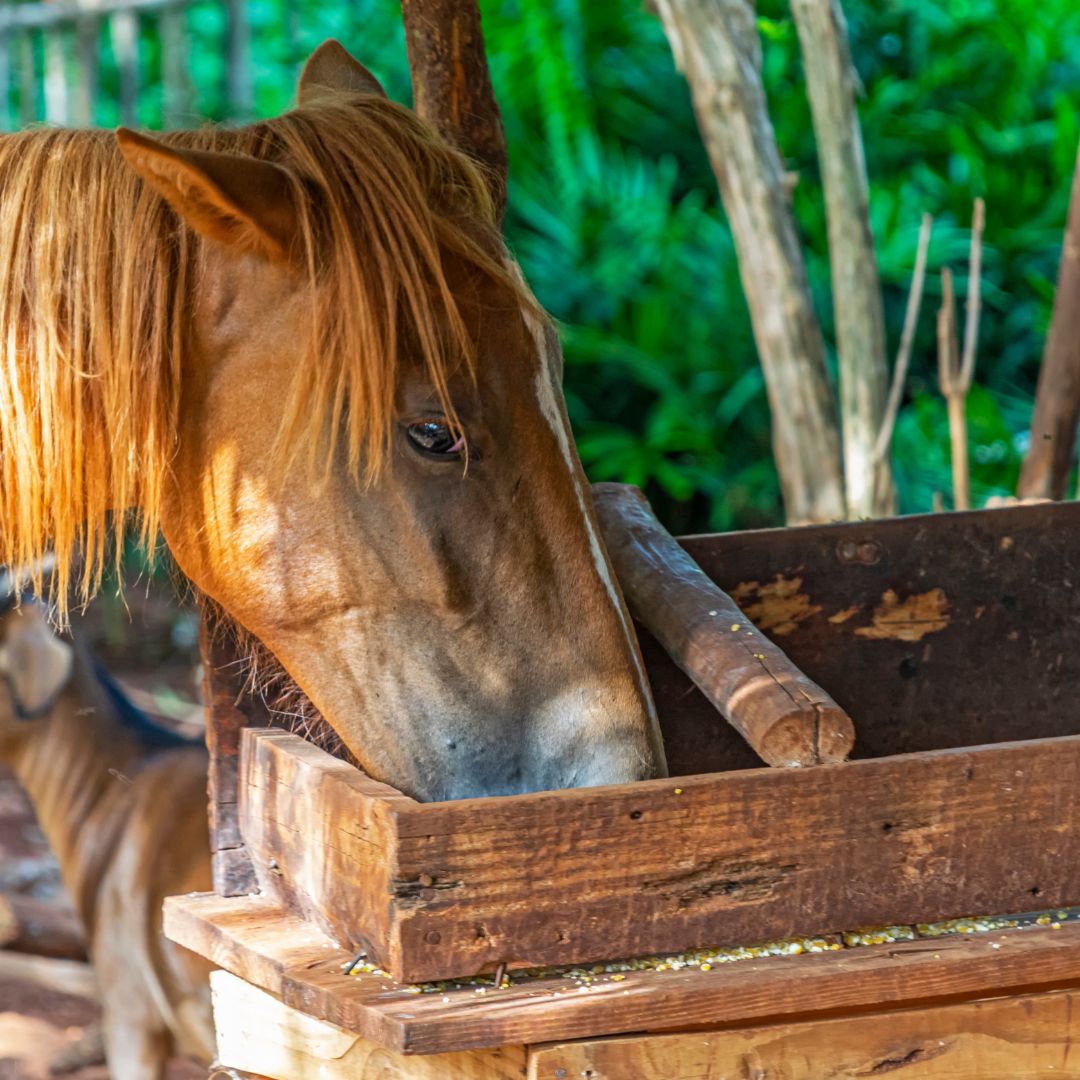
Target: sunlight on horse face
456, 620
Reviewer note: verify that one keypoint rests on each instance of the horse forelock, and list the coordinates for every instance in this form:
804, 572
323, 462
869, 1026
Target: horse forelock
97, 275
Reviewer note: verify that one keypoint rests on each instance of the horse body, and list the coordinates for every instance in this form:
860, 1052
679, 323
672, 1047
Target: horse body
300, 349
125, 814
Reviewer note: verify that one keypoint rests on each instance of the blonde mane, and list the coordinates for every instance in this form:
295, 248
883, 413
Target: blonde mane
96, 278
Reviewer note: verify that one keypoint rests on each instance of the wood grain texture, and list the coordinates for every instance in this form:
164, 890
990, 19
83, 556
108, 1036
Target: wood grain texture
272, 949
321, 835
229, 709
1057, 396
716, 45
785, 717
931, 631
452, 85
583, 875
1025, 1037
257, 1033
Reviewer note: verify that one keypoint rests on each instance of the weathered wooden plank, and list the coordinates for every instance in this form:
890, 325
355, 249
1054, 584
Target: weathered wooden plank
228, 710
321, 834
1025, 1037
442, 890
257, 1033
266, 946
934, 631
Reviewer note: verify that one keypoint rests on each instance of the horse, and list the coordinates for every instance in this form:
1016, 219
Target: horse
122, 802
301, 351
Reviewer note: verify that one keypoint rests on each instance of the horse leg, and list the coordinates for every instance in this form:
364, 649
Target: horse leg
135, 1051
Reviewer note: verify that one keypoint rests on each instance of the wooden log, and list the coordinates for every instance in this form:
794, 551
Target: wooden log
452, 84
716, 45
45, 929
258, 1034
831, 82
786, 717
50, 973
261, 944
442, 890
1030, 1035
1057, 396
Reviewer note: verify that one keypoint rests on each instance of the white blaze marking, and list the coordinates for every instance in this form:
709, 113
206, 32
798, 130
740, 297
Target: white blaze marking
556, 419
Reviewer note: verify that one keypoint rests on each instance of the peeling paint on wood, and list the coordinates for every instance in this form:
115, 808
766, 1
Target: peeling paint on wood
910, 619
778, 606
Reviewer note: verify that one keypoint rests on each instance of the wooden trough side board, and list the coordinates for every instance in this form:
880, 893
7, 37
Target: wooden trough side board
271, 949
932, 631
443, 890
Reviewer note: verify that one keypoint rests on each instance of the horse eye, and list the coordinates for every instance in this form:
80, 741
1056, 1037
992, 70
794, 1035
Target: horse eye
436, 438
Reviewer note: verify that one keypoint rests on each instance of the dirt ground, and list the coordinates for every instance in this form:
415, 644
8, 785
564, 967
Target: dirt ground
151, 646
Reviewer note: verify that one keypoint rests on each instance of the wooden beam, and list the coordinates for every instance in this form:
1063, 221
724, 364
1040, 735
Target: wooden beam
1057, 396
262, 944
1025, 1036
785, 717
441, 890
452, 84
258, 1034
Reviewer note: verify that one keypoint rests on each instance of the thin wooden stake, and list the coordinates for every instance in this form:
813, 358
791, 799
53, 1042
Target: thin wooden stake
907, 338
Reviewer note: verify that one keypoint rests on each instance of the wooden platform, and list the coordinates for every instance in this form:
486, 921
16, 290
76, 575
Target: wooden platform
265, 946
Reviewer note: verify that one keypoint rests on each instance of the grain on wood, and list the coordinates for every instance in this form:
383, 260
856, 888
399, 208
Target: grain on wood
261, 945
582, 875
784, 716
717, 47
452, 84
257, 1033
1025, 1037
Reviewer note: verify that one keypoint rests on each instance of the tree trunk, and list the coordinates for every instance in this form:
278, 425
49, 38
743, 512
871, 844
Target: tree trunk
1057, 399
860, 320
716, 45
452, 85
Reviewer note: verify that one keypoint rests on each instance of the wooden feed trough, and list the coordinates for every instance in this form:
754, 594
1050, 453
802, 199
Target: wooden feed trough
952, 641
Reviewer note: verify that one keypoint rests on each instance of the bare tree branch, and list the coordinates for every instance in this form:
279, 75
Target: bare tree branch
907, 338
716, 45
974, 294
1057, 397
452, 84
953, 390
860, 320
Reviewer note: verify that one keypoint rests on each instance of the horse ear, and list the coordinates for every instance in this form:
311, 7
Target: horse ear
331, 69
242, 202
36, 663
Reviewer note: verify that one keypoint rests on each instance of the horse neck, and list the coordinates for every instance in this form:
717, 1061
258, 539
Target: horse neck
74, 768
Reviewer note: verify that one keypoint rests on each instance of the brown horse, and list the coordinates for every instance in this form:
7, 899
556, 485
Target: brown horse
123, 804
300, 349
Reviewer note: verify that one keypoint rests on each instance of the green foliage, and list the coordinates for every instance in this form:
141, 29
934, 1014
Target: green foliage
615, 217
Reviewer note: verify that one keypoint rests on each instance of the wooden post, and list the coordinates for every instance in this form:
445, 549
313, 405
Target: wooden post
124, 25
87, 52
452, 84
228, 710
860, 320
238, 89
176, 83
716, 45
1057, 398
27, 79
786, 717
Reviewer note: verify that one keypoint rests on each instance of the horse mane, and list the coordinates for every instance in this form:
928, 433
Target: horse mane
97, 274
